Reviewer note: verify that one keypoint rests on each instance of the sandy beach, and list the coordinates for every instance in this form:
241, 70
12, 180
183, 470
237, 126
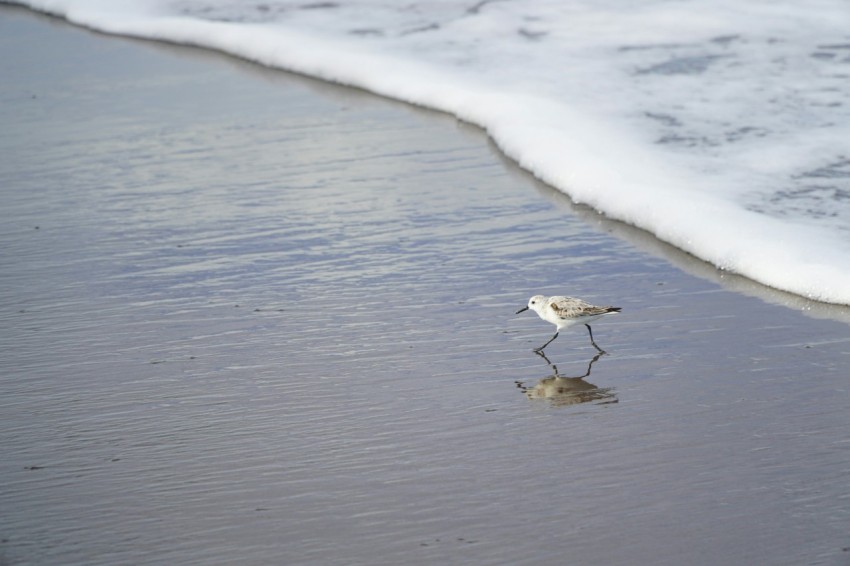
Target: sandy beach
252, 317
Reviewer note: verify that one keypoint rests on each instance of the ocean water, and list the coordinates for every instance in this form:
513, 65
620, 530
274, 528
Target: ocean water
721, 127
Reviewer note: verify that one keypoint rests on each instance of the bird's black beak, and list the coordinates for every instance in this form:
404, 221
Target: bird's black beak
523, 309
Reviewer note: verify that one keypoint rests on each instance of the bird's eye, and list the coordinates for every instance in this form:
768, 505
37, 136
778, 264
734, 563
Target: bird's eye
533, 302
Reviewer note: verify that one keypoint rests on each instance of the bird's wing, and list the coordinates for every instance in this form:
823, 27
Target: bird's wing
569, 307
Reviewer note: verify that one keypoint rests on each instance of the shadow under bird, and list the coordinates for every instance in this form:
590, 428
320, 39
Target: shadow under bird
564, 312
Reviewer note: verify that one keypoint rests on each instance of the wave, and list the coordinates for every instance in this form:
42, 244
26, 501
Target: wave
720, 127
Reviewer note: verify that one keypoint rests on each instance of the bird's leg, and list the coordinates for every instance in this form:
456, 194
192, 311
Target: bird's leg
601, 351
542, 355
540, 349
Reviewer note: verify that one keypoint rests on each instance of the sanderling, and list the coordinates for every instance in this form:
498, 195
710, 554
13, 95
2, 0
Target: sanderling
563, 312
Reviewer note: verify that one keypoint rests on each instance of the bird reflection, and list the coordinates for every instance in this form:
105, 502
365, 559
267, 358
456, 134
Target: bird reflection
563, 390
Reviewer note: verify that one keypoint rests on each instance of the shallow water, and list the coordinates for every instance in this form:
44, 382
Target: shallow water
271, 321
718, 126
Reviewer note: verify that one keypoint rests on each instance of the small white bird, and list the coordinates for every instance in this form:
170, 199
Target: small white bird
563, 312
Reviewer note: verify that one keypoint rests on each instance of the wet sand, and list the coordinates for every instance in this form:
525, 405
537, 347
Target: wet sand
251, 317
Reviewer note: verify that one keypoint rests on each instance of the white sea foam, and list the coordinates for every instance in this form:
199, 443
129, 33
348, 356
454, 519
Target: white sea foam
723, 127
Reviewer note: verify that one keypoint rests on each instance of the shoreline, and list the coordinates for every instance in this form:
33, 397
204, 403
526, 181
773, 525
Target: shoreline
685, 245
265, 319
